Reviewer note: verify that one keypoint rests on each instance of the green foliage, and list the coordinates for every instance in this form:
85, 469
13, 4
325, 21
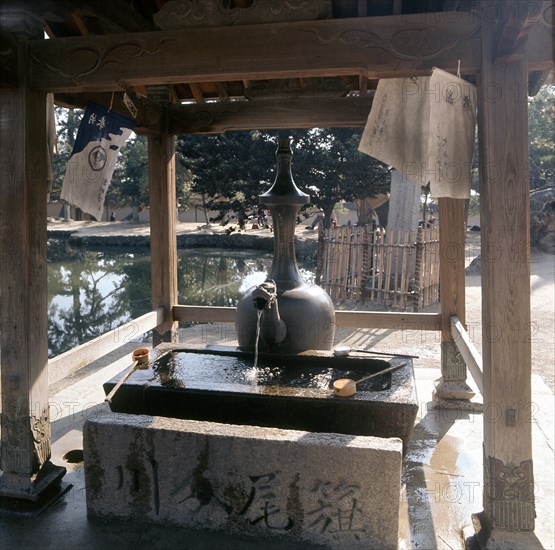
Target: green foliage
129, 185
541, 128
332, 169
230, 170
67, 124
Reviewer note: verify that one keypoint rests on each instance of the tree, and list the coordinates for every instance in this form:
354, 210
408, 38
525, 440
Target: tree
95, 302
541, 124
67, 124
129, 186
233, 169
332, 169
229, 170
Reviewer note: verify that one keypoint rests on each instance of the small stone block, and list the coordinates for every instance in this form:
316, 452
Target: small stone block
340, 491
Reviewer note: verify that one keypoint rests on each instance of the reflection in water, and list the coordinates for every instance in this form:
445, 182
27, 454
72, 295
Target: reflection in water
91, 292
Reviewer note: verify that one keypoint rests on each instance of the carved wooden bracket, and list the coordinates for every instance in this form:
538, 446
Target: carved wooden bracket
509, 494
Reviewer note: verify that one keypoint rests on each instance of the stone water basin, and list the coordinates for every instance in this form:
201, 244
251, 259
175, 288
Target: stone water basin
220, 384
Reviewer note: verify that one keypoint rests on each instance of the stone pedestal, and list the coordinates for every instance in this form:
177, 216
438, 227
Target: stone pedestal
340, 491
452, 391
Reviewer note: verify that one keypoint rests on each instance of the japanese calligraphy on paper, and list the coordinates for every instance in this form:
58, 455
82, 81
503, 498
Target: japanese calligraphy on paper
424, 127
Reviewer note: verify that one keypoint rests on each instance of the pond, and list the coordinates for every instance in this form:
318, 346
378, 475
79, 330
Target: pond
91, 292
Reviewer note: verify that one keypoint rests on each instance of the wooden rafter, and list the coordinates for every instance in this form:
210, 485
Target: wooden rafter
222, 91
362, 8
78, 22
196, 92
363, 84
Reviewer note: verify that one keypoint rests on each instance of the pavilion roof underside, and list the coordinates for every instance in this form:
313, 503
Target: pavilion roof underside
226, 64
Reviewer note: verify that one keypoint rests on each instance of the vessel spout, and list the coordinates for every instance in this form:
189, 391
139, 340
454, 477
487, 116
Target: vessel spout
265, 294
272, 327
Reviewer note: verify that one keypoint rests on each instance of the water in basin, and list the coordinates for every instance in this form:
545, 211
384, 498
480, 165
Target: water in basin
287, 392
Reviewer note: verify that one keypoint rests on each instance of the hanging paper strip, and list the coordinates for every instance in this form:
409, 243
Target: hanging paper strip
100, 137
451, 136
424, 127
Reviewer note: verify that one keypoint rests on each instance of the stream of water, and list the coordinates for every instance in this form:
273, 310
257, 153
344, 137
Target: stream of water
258, 321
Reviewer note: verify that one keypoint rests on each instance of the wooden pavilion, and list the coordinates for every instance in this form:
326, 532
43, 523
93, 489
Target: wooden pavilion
208, 66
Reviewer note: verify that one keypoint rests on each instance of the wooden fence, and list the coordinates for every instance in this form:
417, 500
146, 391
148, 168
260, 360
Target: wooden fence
398, 270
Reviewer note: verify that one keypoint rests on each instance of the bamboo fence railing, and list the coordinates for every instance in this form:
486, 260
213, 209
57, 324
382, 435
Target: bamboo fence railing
398, 269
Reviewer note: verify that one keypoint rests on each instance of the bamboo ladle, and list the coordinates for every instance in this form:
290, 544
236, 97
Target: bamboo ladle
345, 387
141, 359
344, 351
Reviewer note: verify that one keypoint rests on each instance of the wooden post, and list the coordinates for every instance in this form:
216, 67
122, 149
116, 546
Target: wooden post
25, 432
505, 222
163, 241
451, 389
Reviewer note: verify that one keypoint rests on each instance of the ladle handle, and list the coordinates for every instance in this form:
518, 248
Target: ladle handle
387, 353
389, 369
129, 372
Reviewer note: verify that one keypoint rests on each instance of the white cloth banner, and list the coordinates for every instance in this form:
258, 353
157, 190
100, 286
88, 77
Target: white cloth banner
89, 171
424, 127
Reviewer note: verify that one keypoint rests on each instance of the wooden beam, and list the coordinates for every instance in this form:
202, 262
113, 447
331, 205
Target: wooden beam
149, 114
388, 46
8, 59
506, 329
389, 320
25, 446
163, 239
452, 386
204, 314
66, 363
516, 19
539, 45
452, 235
468, 350
359, 319
120, 14
343, 112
